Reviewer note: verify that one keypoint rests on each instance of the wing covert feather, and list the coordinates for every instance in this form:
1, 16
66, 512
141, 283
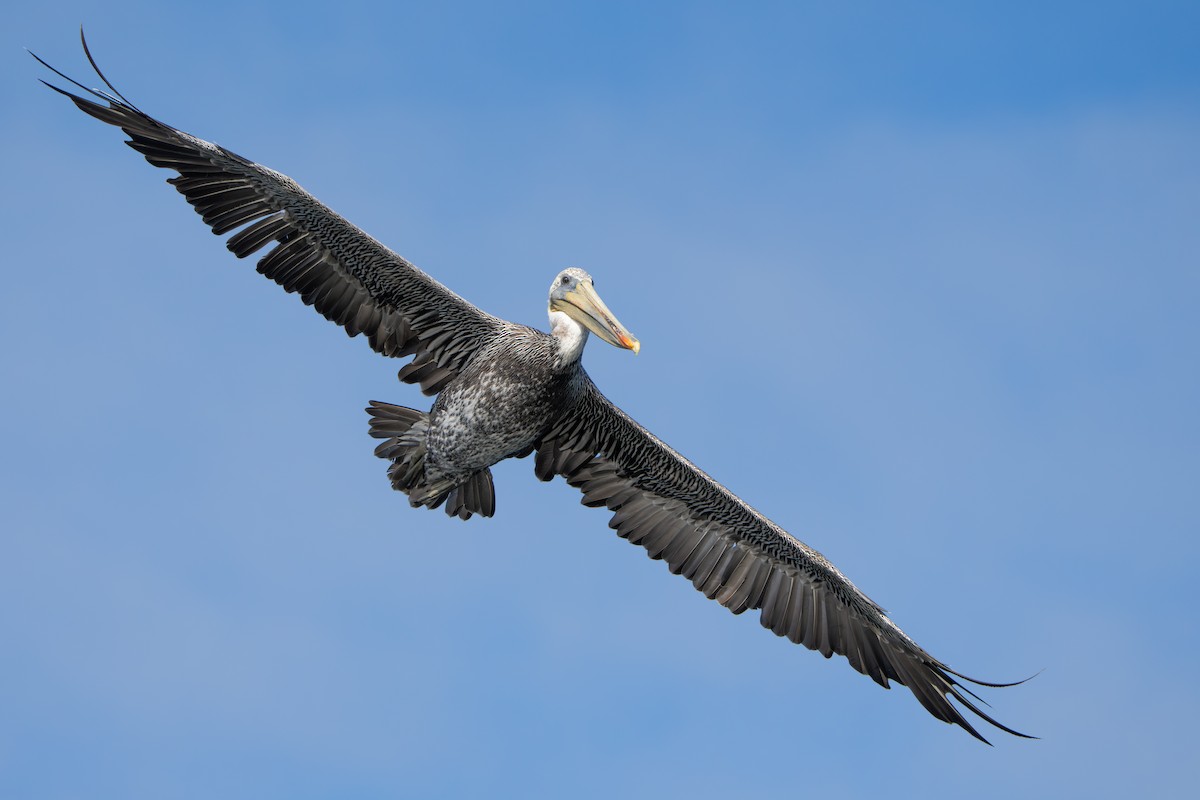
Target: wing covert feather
736, 556
346, 275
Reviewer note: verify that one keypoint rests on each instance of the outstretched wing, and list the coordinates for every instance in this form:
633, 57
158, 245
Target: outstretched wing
736, 556
342, 272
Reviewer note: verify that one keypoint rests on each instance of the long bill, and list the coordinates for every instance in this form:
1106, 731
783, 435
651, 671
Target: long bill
585, 306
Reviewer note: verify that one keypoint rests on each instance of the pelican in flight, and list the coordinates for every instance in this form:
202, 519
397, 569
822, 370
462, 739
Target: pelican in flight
507, 391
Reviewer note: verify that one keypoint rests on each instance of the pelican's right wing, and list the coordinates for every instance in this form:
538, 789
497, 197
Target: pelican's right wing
735, 555
338, 269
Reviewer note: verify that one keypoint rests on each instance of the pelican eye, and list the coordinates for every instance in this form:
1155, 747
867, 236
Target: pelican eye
565, 280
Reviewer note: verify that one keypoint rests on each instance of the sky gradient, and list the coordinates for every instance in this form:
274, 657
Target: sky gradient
919, 284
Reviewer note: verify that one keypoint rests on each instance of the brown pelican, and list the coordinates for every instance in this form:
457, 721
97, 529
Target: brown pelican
505, 390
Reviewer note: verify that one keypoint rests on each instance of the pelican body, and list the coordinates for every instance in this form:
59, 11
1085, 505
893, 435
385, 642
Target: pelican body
505, 390
510, 395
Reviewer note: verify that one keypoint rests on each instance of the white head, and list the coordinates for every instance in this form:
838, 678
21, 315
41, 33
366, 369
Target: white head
575, 309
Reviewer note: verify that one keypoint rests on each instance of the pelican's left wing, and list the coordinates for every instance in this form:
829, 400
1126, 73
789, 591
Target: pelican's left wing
735, 555
338, 269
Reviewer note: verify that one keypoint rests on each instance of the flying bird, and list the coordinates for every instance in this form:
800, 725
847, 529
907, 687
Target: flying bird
507, 391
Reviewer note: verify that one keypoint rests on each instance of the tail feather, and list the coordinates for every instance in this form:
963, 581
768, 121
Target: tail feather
403, 430
474, 495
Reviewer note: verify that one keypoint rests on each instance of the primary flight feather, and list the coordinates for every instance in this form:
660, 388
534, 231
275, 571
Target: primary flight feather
506, 390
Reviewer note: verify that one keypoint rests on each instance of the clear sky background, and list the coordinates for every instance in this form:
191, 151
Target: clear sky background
919, 281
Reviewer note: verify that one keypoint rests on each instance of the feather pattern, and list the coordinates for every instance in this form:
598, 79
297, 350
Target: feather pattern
506, 391
736, 556
349, 277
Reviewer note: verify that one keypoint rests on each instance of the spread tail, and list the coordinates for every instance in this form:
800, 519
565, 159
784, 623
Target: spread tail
404, 431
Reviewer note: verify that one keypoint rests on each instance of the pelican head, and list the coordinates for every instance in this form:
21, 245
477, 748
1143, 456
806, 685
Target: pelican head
574, 293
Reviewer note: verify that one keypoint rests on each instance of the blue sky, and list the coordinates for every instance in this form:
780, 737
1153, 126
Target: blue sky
919, 283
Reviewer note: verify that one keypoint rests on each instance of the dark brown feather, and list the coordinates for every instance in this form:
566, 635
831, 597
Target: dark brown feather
733, 554
339, 270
